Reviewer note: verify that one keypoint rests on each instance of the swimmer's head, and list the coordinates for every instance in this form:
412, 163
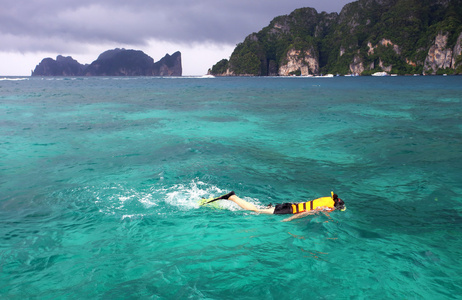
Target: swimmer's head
338, 203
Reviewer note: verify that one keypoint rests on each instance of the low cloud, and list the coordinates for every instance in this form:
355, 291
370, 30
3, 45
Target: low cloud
53, 25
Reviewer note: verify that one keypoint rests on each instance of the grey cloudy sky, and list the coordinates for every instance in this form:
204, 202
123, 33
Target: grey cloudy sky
205, 31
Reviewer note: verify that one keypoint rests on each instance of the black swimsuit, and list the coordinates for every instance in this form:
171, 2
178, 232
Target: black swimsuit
283, 209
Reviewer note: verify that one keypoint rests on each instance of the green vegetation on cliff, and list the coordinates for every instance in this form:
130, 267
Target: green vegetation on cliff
245, 59
366, 37
220, 67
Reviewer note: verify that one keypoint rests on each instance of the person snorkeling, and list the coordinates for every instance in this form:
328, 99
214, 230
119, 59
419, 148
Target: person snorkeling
299, 210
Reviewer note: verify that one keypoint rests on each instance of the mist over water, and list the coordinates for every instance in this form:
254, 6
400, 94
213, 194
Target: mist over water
100, 180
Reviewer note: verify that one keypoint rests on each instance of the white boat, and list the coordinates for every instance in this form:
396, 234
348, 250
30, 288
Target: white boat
325, 76
380, 74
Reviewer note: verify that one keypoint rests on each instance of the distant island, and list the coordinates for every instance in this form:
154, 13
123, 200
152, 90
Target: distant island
368, 36
116, 62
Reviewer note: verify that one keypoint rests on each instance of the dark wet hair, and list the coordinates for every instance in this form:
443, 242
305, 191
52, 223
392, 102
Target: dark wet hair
338, 203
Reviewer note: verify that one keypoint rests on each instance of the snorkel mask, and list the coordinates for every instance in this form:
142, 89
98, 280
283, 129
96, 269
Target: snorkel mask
339, 204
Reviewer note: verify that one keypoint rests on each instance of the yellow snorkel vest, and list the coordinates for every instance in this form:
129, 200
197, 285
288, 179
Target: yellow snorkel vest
314, 204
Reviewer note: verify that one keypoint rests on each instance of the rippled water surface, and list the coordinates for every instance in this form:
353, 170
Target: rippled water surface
100, 178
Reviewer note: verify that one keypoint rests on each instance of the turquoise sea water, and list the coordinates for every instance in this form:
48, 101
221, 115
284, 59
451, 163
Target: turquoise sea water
100, 177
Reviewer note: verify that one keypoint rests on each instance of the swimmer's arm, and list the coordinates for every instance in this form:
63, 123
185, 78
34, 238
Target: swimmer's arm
300, 215
325, 210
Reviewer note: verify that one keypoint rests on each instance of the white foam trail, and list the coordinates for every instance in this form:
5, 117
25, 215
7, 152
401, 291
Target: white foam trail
14, 78
117, 200
187, 196
133, 217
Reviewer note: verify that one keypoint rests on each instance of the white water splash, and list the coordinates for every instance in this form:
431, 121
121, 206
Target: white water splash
187, 196
129, 203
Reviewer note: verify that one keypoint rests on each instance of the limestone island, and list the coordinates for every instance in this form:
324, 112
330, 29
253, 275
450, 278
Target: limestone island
367, 37
116, 62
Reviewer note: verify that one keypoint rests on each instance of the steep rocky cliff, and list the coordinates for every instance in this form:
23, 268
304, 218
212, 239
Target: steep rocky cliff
368, 36
121, 62
439, 56
62, 66
457, 54
117, 62
169, 65
298, 62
